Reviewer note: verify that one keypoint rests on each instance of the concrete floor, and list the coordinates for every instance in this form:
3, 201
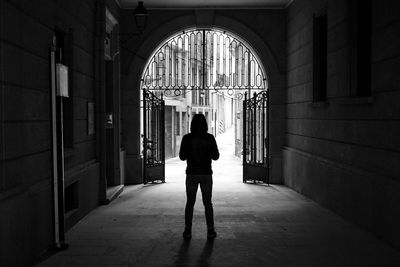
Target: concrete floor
257, 225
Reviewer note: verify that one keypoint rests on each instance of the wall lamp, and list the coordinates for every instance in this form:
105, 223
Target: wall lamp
141, 15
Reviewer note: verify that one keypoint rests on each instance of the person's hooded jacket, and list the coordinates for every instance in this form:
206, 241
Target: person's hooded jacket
198, 147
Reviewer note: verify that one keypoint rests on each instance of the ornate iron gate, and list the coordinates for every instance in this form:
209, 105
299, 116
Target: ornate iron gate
153, 138
201, 61
256, 138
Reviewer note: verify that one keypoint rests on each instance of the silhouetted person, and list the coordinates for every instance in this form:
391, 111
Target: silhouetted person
199, 148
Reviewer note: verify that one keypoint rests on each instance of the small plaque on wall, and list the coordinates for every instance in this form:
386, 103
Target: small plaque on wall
90, 118
62, 80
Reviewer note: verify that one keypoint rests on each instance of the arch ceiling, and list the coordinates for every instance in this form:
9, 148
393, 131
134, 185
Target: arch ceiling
207, 3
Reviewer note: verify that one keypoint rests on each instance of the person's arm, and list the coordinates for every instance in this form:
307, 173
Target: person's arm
183, 149
214, 149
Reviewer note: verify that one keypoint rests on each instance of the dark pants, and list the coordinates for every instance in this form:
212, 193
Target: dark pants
192, 182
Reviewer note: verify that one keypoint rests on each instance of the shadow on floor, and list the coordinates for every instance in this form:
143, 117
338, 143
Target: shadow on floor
184, 257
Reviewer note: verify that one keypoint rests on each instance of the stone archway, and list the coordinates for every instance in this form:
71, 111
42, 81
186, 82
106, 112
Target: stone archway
131, 79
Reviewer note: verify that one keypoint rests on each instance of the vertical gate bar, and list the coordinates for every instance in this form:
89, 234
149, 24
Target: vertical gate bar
217, 61
159, 132
158, 121
263, 129
263, 135
144, 137
244, 135
149, 128
159, 144
224, 61
250, 123
190, 64
155, 140
230, 66
248, 72
184, 63
254, 128
211, 60
195, 62
169, 66
203, 61
163, 135
153, 127
155, 130
268, 159
176, 66
158, 128
248, 120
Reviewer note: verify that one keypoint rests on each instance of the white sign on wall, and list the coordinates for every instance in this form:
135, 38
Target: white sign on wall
62, 80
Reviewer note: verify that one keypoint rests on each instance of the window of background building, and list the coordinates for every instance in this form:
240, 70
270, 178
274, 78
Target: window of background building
194, 96
177, 124
202, 96
184, 123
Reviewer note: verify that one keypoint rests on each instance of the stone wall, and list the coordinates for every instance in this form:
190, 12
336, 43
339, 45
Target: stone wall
344, 153
26, 201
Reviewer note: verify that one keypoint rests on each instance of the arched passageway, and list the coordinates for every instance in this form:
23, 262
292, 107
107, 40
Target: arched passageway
261, 62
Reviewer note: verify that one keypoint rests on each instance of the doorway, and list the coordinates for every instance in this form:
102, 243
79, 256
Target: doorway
204, 71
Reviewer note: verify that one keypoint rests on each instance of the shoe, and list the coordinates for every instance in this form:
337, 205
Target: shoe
211, 234
187, 234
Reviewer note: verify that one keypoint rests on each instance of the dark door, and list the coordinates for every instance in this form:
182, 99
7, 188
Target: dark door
113, 171
153, 138
256, 138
